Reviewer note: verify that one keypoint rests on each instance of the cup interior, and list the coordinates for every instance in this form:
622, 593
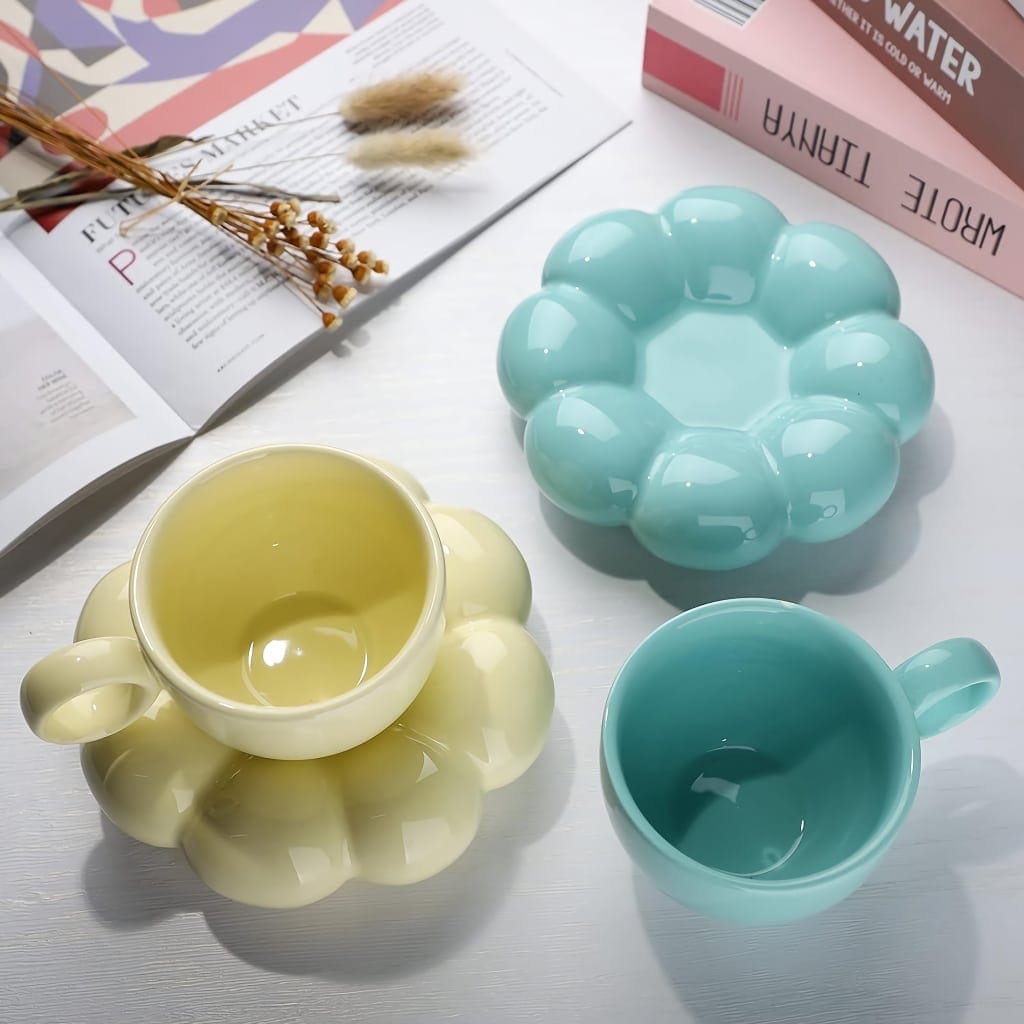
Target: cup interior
286, 576
759, 739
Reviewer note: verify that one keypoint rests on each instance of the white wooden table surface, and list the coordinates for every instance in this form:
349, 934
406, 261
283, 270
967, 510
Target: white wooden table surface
544, 918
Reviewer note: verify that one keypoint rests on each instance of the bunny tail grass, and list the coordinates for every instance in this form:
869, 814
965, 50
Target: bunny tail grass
433, 147
405, 98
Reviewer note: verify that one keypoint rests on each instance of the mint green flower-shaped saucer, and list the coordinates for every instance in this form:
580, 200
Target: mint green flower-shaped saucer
715, 378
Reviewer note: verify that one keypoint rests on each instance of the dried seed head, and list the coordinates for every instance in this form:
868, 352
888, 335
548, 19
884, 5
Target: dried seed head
295, 205
343, 295
365, 256
318, 239
405, 97
331, 321
426, 147
360, 272
313, 218
322, 291
328, 225
274, 247
380, 266
276, 207
325, 268
344, 245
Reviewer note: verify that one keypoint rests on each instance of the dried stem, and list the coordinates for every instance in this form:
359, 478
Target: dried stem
235, 188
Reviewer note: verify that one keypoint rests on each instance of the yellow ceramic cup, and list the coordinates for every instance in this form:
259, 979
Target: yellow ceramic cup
290, 599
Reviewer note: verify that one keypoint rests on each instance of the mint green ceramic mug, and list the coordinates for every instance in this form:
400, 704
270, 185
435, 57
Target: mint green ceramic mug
758, 758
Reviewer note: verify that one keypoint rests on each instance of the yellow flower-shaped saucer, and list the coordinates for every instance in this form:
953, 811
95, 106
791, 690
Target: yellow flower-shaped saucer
395, 810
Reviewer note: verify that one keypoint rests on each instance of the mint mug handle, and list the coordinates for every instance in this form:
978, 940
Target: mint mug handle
947, 683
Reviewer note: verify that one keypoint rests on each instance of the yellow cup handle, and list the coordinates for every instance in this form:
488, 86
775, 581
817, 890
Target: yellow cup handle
89, 690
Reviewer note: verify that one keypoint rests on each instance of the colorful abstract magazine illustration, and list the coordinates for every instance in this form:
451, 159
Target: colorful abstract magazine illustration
162, 66
157, 322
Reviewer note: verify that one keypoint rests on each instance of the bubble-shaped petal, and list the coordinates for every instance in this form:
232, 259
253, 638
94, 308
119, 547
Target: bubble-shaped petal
722, 238
820, 273
403, 476
485, 573
711, 501
557, 338
837, 461
872, 359
412, 806
588, 448
140, 778
622, 258
272, 833
106, 611
491, 696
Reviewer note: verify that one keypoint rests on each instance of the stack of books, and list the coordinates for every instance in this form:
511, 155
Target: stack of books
911, 109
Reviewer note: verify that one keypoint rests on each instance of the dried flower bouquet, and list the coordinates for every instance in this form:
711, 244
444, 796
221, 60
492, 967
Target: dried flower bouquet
304, 246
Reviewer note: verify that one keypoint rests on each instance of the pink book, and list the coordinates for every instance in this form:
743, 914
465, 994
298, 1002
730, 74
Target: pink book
964, 58
783, 78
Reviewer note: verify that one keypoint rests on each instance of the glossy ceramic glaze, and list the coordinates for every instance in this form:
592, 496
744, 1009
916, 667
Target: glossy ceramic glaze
291, 598
715, 378
758, 758
395, 809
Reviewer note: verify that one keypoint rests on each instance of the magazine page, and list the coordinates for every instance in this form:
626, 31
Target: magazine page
71, 410
197, 314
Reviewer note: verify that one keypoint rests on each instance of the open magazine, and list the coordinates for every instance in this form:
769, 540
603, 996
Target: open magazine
116, 345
